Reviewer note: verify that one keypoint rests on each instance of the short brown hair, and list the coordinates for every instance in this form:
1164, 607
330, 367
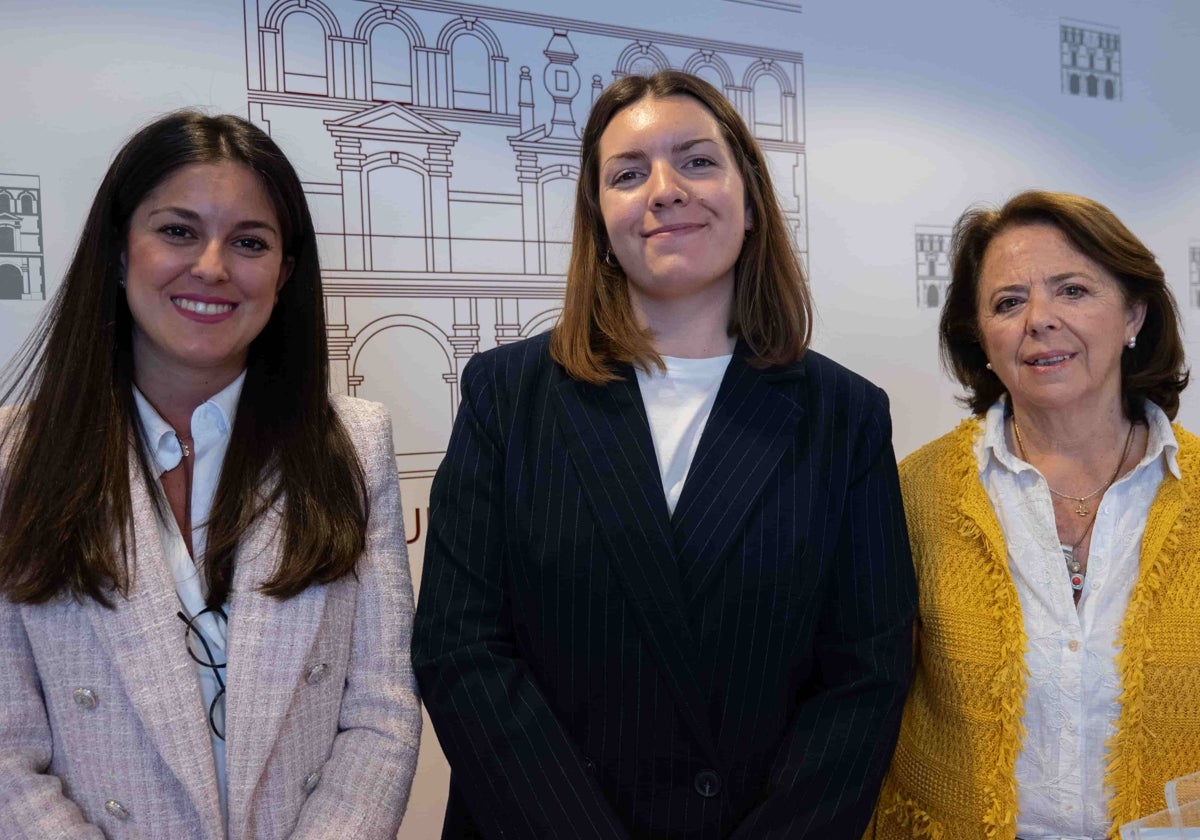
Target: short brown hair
1154, 370
772, 309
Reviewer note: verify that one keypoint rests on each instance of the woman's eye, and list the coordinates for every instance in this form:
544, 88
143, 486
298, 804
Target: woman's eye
251, 243
175, 231
700, 162
1005, 304
1074, 291
624, 176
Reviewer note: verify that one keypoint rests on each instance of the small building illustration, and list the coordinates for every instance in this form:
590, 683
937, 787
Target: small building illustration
1194, 273
1090, 58
439, 147
22, 264
931, 244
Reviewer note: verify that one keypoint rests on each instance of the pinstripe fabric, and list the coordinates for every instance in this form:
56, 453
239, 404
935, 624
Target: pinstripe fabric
591, 664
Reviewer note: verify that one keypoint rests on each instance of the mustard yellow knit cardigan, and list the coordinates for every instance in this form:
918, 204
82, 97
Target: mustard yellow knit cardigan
952, 777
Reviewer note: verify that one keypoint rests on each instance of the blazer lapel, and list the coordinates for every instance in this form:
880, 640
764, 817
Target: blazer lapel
608, 440
144, 639
268, 645
753, 422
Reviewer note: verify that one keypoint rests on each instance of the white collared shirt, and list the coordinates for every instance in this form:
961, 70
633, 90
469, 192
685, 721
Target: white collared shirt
678, 403
211, 426
1071, 703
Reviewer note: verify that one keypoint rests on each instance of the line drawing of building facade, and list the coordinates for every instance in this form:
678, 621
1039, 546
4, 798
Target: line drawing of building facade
1194, 272
1090, 58
439, 144
22, 262
931, 246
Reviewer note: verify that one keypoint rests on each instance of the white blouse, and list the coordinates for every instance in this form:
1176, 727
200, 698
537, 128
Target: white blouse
211, 427
1071, 702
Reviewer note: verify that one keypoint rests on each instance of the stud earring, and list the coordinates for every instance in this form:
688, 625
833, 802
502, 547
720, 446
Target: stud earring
1132, 342
988, 366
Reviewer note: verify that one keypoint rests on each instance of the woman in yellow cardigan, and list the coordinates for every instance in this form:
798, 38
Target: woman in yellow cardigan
1056, 542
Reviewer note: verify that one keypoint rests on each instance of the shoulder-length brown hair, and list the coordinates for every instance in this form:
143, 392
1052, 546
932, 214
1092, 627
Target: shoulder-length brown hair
1153, 370
65, 509
772, 308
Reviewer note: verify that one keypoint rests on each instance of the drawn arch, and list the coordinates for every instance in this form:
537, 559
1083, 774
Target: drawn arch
712, 68
420, 421
304, 29
28, 204
391, 38
541, 322
476, 77
12, 282
771, 100
640, 59
5, 203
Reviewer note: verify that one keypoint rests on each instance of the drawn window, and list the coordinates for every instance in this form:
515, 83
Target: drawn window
1074, 84
27, 204
391, 64
711, 75
1110, 90
304, 61
5, 203
470, 69
643, 66
1093, 86
12, 284
8, 239
397, 207
931, 296
768, 108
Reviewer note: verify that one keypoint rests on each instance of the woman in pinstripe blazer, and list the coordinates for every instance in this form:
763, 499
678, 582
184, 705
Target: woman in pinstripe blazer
204, 592
660, 601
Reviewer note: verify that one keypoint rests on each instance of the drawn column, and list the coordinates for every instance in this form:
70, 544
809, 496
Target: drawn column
438, 165
350, 159
337, 335
464, 339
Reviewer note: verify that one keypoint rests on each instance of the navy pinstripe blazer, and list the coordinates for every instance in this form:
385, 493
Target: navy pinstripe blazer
597, 668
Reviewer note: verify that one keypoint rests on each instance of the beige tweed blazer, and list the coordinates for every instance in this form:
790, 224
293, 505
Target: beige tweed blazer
103, 732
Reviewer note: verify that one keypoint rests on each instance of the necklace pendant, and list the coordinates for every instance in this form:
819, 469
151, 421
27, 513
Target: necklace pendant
1082, 509
1077, 581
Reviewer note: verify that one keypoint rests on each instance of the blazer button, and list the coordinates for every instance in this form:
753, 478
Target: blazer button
311, 780
86, 698
316, 673
116, 809
707, 783
589, 765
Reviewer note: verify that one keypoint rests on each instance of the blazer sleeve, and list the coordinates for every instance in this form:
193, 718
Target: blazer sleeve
827, 772
515, 767
365, 783
32, 802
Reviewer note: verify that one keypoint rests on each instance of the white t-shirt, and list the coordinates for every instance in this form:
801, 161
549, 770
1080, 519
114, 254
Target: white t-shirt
678, 403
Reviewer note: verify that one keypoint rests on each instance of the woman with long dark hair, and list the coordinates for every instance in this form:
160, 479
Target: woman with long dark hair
205, 591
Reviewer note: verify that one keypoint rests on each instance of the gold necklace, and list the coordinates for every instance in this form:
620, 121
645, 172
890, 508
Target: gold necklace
1080, 507
1074, 565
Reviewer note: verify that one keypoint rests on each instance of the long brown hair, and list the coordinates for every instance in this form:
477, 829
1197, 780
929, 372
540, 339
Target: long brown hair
1153, 370
65, 511
772, 308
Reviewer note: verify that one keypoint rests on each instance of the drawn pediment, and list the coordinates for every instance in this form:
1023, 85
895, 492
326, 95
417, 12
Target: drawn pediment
390, 121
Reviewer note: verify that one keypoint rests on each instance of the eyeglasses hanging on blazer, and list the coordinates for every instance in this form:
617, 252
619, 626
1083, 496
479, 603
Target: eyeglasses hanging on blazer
208, 655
